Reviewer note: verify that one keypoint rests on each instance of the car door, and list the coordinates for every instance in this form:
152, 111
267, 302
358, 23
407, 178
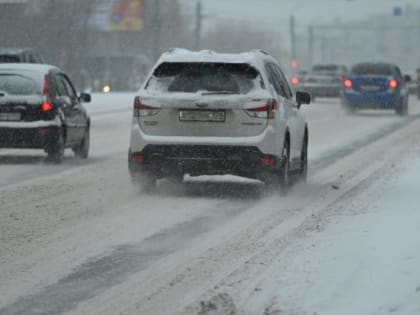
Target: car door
67, 105
78, 113
401, 81
284, 111
292, 112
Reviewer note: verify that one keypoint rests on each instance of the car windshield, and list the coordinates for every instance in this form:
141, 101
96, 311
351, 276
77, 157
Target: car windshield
372, 69
17, 84
205, 77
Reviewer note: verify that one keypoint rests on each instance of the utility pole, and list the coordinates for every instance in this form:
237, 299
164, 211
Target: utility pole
157, 28
293, 37
198, 25
310, 45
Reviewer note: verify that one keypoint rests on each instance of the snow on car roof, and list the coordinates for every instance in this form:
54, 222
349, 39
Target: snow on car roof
27, 67
185, 55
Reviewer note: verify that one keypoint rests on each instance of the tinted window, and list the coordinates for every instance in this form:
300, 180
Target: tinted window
9, 59
283, 81
15, 84
276, 80
372, 69
325, 68
69, 87
211, 77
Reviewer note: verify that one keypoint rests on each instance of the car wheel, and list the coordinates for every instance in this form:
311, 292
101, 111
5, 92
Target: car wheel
55, 150
401, 109
303, 173
82, 150
284, 176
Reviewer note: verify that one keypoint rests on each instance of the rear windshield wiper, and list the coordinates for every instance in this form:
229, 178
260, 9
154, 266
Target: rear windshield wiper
218, 92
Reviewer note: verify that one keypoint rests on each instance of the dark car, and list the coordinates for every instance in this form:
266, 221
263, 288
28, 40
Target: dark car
39, 109
375, 86
323, 80
18, 55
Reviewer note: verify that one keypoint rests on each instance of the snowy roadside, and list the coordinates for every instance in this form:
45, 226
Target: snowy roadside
363, 258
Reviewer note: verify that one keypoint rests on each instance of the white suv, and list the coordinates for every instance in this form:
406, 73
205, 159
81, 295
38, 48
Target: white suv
206, 113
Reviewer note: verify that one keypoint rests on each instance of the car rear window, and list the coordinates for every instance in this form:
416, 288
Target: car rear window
16, 84
206, 77
372, 69
328, 68
9, 59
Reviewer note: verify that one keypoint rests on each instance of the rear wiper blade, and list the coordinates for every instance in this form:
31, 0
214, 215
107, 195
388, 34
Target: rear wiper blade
217, 92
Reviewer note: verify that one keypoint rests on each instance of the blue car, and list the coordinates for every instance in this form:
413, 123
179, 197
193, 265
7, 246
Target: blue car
375, 86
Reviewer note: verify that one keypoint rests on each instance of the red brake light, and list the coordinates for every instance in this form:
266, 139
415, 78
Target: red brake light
295, 80
140, 109
138, 158
393, 84
348, 84
266, 111
46, 106
267, 161
46, 89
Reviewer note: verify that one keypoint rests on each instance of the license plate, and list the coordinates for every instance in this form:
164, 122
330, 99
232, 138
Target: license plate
371, 87
9, 116
202, 115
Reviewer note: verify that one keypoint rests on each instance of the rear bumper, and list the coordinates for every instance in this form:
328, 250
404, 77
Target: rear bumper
267, 142
177, 160
383, 100
27, 138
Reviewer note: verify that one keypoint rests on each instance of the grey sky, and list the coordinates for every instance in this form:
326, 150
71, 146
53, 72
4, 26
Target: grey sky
275, 13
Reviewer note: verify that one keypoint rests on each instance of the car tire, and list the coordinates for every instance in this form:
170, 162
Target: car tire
55, 150
303, 172
284, 171
401, 108
82, 150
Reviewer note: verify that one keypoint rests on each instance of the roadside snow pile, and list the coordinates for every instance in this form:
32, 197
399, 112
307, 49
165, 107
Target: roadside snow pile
365, 261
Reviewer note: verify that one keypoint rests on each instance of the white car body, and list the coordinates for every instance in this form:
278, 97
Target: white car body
162, 122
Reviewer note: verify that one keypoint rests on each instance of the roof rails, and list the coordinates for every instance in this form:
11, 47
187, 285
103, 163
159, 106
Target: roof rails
262, 51
176, 49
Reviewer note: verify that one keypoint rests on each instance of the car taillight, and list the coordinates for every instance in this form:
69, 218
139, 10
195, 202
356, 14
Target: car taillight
142, 110
393, 84
46, 89
348, 84
46, 107
266, 111
295, 80
138, 158
267, 160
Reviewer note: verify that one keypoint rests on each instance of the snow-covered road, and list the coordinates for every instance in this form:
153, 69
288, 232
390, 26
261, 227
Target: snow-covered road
77, 238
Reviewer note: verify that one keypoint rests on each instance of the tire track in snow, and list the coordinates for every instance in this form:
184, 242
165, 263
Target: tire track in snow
97, 275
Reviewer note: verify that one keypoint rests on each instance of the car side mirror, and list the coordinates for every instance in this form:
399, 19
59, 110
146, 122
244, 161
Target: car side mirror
303, 98
85, 98
407, 78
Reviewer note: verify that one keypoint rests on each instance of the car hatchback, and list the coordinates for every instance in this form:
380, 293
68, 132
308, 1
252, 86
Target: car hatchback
39, 109
375, 86
205, 113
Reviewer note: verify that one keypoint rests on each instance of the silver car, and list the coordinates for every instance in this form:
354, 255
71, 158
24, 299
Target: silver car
206, 113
